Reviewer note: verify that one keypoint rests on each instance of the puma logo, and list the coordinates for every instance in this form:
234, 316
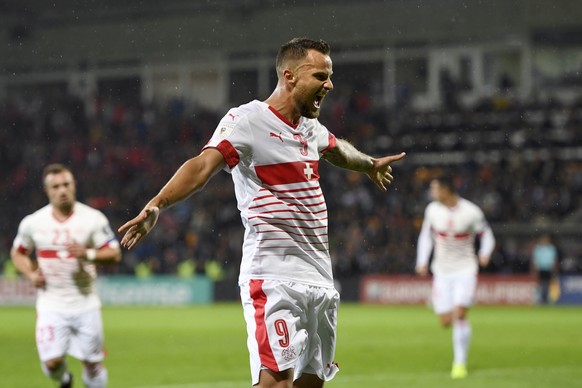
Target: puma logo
232, 116
272, 134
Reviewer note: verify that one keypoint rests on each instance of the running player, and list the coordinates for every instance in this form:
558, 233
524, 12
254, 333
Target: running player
272, 149
69, 239
451, 224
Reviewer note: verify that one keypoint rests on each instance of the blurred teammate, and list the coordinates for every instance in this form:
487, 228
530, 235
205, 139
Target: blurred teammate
545, 264
451, 224
69, 239
272, 149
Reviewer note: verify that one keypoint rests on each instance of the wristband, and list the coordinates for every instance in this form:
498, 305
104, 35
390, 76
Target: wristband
91, 254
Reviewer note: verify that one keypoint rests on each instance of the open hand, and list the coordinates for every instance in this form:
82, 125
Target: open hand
380, 172
139, 227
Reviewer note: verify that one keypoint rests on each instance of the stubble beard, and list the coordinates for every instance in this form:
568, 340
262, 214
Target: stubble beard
309, 110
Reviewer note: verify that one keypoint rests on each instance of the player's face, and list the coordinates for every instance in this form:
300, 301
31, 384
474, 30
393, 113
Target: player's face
313, 82
438, 192
60, 189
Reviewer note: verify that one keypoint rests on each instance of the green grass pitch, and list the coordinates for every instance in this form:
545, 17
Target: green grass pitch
378, 346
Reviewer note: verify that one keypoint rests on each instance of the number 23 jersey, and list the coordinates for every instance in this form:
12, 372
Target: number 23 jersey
70, 283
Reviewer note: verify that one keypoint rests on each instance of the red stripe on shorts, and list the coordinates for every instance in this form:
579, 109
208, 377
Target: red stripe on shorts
259, 300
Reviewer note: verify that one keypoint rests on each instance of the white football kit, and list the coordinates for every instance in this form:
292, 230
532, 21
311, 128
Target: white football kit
274, 166
452, 232
68, 307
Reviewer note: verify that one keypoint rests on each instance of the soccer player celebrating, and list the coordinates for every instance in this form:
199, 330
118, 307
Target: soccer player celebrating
451, 224
69, 238
272, 149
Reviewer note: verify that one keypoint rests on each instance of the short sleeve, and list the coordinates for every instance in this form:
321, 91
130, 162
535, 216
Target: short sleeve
325, 139
103, 235
232, 138
23, 241
480, 221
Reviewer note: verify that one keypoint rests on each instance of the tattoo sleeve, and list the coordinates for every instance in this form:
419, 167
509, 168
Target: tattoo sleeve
347, 156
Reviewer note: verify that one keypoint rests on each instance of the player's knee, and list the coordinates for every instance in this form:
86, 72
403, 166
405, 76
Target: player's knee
446, 320
92, 368
271, 379
54, 364
308, 380
94, 375
460, 313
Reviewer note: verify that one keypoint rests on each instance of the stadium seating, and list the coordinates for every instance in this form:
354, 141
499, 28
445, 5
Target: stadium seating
521, 162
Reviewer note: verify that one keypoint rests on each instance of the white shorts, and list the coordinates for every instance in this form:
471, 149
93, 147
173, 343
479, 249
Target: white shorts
290, 325
78, 334
449, 291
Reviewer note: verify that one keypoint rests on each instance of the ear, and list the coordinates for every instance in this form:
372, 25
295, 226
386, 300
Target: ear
289, 77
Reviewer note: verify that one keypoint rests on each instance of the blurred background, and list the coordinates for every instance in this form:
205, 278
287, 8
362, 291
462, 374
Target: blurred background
125, 91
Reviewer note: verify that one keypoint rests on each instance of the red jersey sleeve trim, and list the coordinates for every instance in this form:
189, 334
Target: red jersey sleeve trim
228, 152
331, 143
22, 250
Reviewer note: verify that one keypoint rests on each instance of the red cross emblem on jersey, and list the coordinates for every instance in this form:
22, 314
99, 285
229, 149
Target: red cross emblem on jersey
308, 171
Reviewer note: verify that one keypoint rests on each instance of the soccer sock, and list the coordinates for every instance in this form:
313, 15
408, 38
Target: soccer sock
461, 340
60, 375
97, 379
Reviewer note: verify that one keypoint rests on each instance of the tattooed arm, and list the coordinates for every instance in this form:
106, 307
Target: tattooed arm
347, 156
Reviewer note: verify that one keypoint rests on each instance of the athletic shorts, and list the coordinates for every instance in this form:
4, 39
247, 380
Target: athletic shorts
290, 325
450, 291
79, 335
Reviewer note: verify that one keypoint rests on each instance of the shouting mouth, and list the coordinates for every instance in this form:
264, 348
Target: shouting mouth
317, 101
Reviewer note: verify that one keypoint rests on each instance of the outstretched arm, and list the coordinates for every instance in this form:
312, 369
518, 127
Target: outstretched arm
188, 179
347, 156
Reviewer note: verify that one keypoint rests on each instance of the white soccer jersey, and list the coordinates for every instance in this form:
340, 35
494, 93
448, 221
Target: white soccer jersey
70, 283
453, 231
274, 166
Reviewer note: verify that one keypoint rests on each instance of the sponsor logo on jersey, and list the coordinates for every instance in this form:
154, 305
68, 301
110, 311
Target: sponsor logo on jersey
278, 136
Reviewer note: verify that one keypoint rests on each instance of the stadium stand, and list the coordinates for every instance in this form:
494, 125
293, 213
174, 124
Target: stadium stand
522, 163
516, 150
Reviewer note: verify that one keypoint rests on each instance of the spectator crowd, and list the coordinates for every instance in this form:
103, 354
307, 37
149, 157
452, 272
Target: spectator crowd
522, 163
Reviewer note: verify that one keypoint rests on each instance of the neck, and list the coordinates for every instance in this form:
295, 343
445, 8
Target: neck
283, 102
63, 211
451, 201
